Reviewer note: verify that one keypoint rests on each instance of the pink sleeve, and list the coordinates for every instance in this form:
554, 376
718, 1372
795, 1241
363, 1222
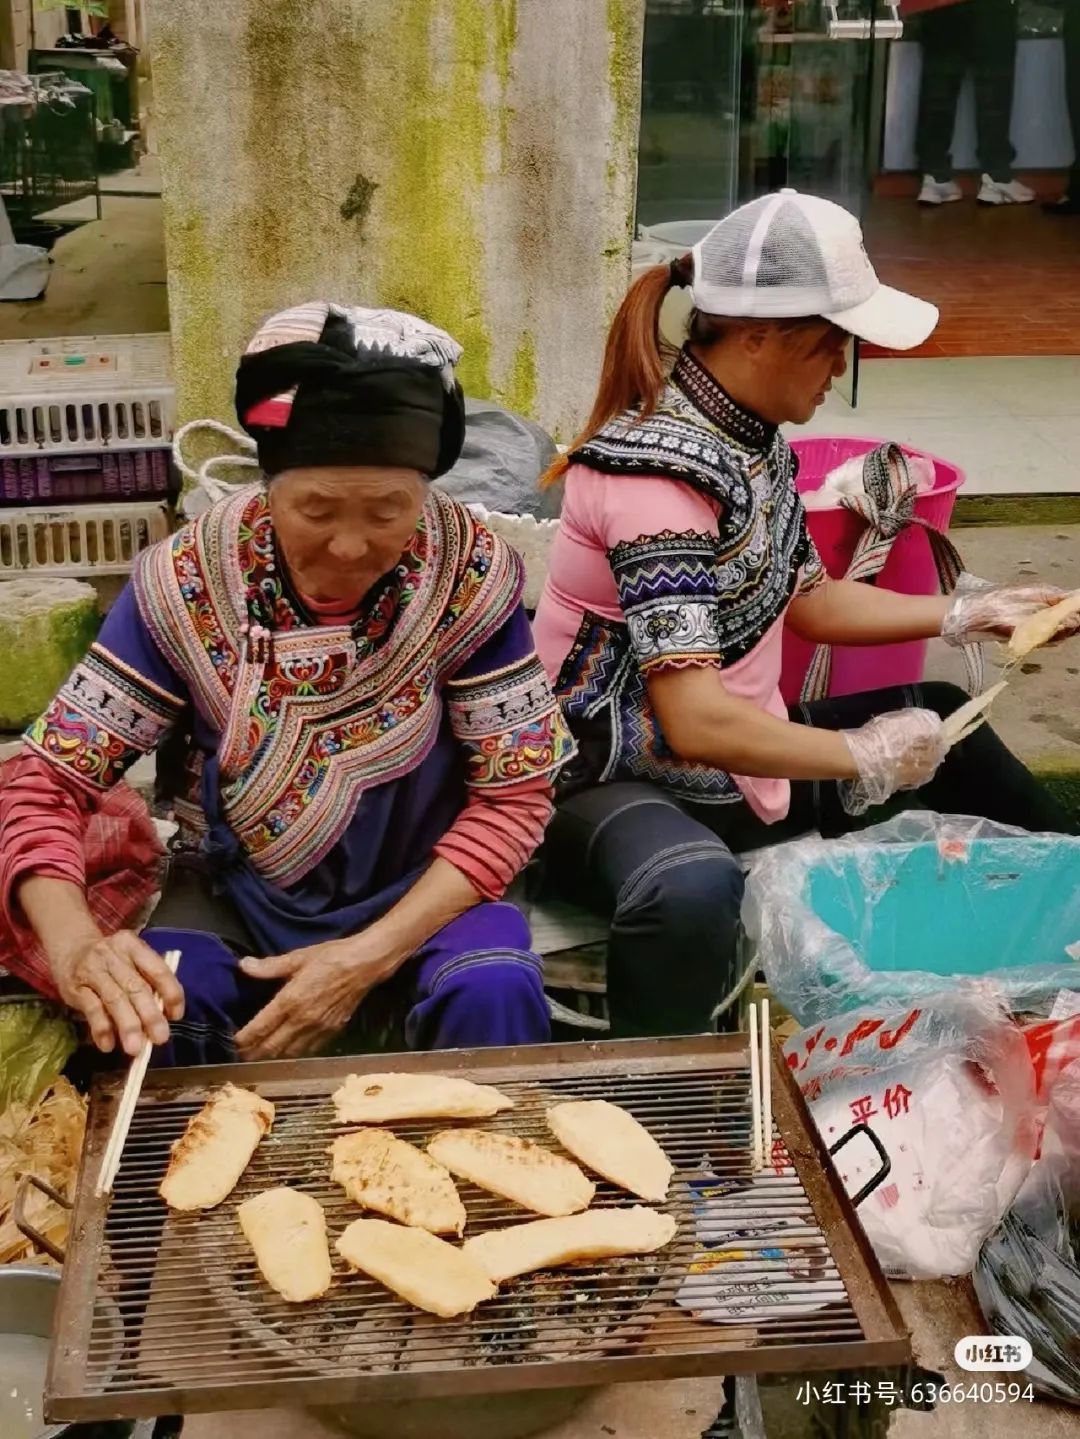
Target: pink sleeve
662, 543
627, 508
496, 834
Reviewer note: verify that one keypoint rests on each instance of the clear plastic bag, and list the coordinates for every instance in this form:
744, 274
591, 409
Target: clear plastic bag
1028, 1275
947, 1089
892, 752
912, 907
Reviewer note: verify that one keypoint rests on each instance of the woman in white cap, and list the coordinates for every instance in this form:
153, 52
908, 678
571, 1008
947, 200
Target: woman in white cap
682, 554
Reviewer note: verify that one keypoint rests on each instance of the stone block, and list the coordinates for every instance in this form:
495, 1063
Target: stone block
46, 626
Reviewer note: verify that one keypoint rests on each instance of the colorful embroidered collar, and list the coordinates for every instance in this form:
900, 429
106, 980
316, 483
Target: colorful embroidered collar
708, 396
310, 715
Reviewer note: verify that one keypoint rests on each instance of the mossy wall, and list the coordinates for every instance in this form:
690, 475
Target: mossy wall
472, 160
46, 626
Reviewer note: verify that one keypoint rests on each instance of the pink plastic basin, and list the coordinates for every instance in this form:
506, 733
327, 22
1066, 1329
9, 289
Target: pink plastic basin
910, 568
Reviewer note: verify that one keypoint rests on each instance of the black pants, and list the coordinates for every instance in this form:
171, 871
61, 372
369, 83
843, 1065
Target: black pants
667, 874
1071, 38
980, 34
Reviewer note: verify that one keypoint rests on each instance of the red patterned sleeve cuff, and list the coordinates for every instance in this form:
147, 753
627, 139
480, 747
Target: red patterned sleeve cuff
496, 834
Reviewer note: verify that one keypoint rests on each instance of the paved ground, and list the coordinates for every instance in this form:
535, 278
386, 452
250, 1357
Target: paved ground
107, 277
1012, 425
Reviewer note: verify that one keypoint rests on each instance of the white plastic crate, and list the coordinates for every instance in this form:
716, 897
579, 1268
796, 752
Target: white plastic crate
86, 540
92, 392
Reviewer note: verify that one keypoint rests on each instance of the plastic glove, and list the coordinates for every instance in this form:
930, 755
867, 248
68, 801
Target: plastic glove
983, 611
897, 751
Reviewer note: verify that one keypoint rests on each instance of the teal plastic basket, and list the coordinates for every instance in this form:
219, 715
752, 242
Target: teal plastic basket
874, 919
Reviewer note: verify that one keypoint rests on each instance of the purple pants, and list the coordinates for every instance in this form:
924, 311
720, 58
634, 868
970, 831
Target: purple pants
474, 983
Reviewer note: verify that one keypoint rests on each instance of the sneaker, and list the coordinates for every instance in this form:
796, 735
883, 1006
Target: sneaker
1004, 192
939, 192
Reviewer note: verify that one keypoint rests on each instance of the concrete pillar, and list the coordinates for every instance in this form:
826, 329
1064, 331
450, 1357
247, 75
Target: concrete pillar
472, 160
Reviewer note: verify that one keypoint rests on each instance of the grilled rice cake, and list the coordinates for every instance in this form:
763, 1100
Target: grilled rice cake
215, 1149
514, 1168
287, 1230
381, 1172
383, 1098
611, 1142
550, 1243
413, 1264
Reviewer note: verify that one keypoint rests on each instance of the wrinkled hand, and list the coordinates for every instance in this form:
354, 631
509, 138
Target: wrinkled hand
898, 751
982, 611
116, 983
324, 985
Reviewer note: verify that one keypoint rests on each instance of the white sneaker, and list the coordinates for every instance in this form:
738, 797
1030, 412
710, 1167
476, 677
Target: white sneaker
939, 192
1004, 192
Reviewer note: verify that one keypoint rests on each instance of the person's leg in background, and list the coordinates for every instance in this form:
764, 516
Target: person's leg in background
993, 41
944, 61
1069, 202
673, 891
477, 983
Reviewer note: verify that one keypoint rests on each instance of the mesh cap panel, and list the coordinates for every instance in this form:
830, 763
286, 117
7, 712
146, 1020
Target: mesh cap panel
790, 255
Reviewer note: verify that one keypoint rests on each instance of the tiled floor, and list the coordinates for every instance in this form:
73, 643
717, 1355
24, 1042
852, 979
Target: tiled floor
1012, 424
1007, 279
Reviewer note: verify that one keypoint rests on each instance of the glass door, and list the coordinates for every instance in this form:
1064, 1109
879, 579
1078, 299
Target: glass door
744, 97
809, 87
812, 102
688, 154
740, 97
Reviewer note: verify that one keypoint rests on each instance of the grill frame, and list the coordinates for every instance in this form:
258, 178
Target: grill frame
885, 1341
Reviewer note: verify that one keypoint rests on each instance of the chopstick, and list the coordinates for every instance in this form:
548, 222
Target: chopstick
760, 1086
766, 1084
756, 1159
110, 1161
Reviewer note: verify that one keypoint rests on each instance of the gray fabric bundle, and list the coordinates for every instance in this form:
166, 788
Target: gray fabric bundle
502, 460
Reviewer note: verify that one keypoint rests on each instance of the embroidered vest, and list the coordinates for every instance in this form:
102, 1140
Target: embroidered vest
696, 435
311, 716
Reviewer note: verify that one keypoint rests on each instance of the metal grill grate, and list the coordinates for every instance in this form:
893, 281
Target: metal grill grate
167, 1313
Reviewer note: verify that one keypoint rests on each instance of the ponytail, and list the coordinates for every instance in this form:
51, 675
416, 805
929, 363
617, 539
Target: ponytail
633, 372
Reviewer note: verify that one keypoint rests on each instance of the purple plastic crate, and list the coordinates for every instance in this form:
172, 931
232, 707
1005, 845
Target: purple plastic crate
108, 475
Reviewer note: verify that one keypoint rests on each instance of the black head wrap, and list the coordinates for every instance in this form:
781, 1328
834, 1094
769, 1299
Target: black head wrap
326, 385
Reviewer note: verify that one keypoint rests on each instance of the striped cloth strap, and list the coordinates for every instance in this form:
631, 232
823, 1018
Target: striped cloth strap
887, 509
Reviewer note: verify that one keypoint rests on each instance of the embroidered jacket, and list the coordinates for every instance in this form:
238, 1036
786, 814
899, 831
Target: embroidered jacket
304, 719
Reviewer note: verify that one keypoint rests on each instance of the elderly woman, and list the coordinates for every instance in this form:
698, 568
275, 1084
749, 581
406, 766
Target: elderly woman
682, 556
368, 738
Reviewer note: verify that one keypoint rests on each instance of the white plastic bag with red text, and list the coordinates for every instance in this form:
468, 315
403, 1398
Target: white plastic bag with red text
946, 1087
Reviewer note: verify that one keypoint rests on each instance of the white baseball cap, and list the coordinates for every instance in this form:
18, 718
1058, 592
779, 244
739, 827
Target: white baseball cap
791, 255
